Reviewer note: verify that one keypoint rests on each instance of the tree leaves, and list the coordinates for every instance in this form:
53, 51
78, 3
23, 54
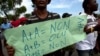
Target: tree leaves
7, 5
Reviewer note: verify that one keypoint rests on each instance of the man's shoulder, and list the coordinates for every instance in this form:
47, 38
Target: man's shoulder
50, 14
54, 15
33, 17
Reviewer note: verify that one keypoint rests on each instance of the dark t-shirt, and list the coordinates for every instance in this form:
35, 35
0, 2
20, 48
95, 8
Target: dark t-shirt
34, 18
98, 38
1, 53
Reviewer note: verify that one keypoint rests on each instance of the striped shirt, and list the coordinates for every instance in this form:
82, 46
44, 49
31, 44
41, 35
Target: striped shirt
90, 40
34, 18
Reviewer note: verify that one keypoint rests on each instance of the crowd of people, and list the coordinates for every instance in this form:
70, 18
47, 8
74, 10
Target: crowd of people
85, 47
7, 24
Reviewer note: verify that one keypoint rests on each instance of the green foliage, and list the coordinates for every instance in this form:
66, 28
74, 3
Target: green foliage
20, 10
0, 20
10, 16
27, 15
7, 5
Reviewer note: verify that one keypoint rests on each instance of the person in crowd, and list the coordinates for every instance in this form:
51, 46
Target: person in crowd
1, 52
23, 21
97, 47
15, 22
1, 38
98, 43
41, 14
5, 25
66, 15
85, 47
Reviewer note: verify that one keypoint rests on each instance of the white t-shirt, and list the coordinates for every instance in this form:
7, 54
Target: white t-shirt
90, 40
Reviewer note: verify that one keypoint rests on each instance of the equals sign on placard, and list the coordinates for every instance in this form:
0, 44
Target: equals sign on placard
42, 31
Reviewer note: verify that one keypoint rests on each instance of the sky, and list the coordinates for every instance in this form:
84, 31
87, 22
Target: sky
60, 6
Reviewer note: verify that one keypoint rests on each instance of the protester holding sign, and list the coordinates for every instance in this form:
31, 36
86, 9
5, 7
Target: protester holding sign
1, 38
85, 47
45, 37
41, 14
6, 25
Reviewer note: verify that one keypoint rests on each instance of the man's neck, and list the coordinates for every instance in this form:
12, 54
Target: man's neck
89, 12
41, 13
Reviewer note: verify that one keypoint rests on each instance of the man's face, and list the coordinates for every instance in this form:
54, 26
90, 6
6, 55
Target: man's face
5, 21
41, 3
93, 5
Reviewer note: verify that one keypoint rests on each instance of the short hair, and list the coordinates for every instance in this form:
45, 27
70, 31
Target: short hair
85, 3
66, 15
34, 0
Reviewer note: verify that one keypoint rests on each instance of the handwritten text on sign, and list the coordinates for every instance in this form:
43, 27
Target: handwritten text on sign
45, 37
